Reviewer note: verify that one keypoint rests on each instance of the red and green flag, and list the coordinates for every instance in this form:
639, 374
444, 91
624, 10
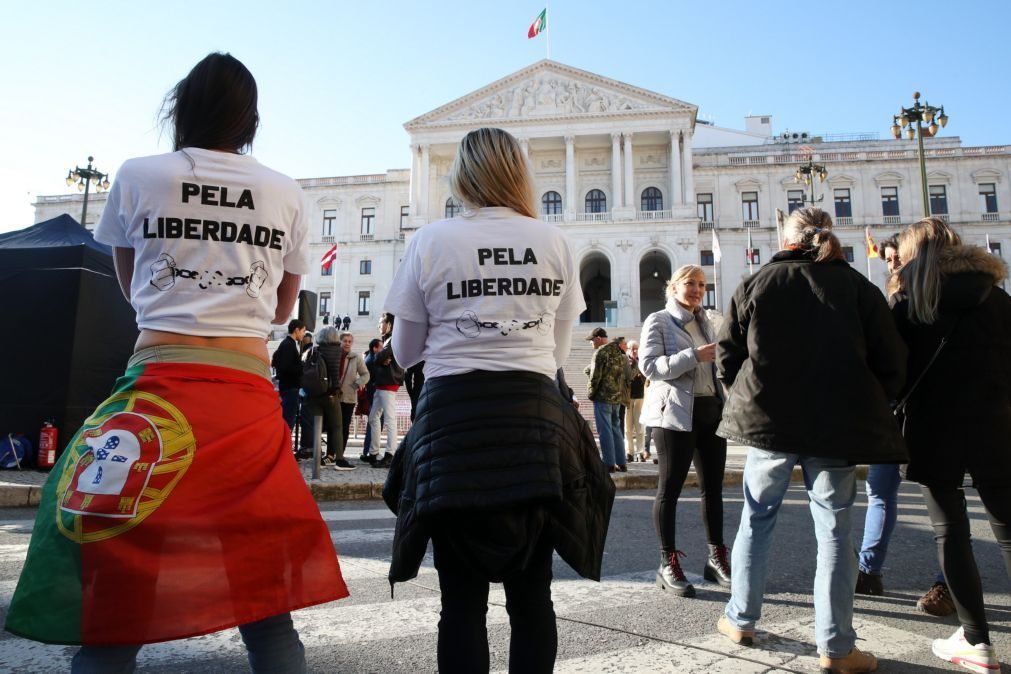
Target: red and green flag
539, 25
177, 510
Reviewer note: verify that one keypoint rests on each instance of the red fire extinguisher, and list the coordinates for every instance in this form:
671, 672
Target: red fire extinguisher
47, 445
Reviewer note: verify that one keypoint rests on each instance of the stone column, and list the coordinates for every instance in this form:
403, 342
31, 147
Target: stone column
415, 179
525, 146
629, 186
676, 196
688, 171
423, 183
615, 170
570, 175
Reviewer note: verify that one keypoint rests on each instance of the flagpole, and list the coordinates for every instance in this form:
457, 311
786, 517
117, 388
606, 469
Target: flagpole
751, 258
547, 41
333, 266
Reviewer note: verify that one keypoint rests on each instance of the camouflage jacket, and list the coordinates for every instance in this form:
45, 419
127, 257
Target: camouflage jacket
610, 374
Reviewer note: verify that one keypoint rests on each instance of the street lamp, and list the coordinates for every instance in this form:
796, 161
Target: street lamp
85, 178
920, 113
806, 173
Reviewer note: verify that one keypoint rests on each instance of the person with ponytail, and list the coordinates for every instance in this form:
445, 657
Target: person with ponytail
956, 321
811, 358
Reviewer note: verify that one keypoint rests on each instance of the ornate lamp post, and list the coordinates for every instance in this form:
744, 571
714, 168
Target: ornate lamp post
85, 178
920, 114
806, 173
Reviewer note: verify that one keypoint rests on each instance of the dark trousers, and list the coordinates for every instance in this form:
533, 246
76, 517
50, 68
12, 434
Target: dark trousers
463, 635
950, 520
347, 413
413, 381
676, 450
329, 408
289, 406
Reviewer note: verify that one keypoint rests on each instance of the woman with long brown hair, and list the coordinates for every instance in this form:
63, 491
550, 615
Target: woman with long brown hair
956, 321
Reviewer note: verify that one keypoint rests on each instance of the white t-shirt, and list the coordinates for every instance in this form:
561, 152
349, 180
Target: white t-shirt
212, 233
490, 287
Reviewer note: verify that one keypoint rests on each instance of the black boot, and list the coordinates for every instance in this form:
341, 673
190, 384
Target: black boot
670, 576
718, 565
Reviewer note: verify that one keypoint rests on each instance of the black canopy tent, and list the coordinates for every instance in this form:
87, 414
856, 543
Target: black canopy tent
68, 330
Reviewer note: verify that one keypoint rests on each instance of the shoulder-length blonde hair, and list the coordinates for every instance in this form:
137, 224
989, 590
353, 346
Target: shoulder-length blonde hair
920, 246
681, 273
491, 170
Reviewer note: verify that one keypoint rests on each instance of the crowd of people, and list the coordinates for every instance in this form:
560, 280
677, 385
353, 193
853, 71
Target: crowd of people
810, 367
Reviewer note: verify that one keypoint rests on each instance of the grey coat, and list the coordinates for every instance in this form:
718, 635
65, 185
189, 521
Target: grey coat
667, 358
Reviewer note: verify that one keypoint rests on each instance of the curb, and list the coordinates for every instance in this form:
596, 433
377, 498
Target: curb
25, 496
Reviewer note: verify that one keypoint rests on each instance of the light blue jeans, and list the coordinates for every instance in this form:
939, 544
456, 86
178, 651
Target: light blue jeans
612, 439
832, 487
272, 646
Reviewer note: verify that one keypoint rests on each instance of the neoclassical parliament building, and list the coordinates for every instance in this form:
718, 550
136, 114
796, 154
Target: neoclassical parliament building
639, 184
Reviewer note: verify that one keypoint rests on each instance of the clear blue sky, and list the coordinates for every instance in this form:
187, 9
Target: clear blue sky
338, 79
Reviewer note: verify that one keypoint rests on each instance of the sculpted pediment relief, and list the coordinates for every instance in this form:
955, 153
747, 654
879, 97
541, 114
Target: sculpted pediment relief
549, 89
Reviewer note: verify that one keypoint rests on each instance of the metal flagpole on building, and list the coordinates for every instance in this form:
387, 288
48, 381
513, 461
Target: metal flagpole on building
988, 248
751, 257
717, 257
333, 296
868, 244
547, 36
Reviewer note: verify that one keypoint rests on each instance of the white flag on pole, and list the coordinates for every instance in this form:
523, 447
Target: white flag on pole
717, 251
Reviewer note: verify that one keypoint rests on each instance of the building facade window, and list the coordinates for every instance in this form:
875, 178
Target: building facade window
324, 303
452, 207
752, 256
652, 199
551, 203
329, 218
405, 214
706, 258
364, 302
843, 206
368, 220
938, 200
988, 197
749, 205
847, 252
794, 200
710, 299
327, 270
995, 248
889, 201
596, 202
704, 204
365, 267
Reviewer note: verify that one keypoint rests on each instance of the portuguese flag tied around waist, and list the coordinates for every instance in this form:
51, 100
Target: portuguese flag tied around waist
177, 510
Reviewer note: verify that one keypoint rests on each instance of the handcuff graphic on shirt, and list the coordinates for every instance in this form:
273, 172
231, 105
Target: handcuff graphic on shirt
469, 325
164, 273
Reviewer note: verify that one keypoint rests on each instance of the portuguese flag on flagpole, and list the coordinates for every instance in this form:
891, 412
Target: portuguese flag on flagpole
177, 510
539, 25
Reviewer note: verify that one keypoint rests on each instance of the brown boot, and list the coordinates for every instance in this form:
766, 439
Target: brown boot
856, 662
735, 634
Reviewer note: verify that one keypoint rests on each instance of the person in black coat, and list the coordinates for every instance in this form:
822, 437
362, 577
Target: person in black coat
287, 364
812, 358
957, 408
328, 404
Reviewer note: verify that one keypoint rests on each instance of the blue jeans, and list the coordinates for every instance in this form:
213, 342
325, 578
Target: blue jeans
272, 645
832, 487
612, 440
289, 406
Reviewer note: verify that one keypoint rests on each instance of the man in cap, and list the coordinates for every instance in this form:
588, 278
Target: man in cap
609, 373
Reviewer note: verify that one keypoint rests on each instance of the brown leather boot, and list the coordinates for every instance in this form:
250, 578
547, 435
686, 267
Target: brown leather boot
735, 634
856, 662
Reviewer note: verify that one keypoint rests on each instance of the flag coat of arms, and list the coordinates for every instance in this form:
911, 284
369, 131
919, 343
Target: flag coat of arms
539, 25
177, 510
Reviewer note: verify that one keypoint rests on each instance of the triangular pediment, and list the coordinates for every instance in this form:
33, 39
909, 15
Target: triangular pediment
550, 90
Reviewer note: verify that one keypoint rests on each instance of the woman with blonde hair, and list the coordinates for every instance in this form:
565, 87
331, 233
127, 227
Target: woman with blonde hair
498, 469
683, 405
811, 357
956, 321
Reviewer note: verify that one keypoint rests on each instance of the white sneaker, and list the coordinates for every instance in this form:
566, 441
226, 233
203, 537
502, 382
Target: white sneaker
979, 658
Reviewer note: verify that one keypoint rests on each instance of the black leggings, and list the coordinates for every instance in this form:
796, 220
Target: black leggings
675, 450
950, 520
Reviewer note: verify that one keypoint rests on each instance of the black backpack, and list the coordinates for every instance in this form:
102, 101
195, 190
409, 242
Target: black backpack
315, 380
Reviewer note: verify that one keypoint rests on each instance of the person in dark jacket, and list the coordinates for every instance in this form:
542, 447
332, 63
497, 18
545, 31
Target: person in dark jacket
328, 404
414, 379
287, 364
497, 470
388, 376
812, 358
957, 410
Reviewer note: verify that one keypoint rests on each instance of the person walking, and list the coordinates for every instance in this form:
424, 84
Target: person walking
811, 358
956, 321
683, 406
498, 469
179, 508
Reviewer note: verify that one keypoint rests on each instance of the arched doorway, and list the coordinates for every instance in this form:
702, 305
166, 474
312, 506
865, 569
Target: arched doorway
654, 272
595, 280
